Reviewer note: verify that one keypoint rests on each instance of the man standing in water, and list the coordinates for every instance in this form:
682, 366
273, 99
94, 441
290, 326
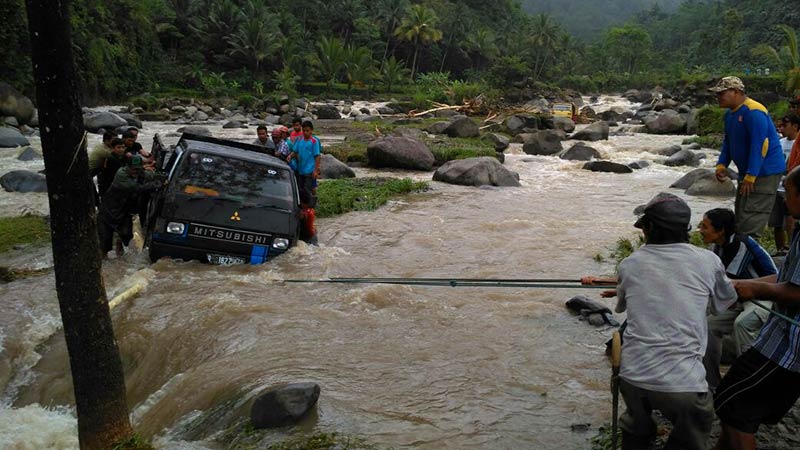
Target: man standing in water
763, 384
666, 336
752, 143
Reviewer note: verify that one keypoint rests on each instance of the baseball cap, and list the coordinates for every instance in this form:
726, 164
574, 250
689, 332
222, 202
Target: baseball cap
667, 211
276, 131
728, 83
136, 161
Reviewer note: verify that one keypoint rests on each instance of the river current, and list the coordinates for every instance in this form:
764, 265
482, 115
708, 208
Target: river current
402, 367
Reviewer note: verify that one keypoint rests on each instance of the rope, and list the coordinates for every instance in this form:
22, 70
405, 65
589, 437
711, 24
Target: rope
772, 311
458, 282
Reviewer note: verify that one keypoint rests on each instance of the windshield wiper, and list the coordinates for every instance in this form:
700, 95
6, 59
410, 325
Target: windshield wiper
263, 205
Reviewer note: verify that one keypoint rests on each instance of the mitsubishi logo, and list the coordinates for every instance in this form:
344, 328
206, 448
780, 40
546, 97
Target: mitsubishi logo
236, 217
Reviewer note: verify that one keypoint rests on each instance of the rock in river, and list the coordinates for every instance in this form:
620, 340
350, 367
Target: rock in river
482, 171
23, 181
284, 406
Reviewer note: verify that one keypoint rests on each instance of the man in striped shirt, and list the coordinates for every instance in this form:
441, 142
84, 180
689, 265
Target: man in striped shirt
764, 383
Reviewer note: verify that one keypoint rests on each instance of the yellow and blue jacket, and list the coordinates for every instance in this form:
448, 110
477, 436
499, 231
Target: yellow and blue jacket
752, 142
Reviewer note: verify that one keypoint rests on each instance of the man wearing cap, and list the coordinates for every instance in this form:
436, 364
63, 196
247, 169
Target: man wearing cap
121, 201
752, 143
763, 384
666, 286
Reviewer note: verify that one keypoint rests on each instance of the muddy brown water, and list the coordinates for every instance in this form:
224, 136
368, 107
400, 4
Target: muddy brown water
407, 367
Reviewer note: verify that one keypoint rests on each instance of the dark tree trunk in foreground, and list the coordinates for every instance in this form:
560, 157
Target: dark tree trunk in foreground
93, 355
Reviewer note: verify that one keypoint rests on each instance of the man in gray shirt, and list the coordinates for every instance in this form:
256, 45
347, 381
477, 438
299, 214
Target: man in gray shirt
666, 287
264, 140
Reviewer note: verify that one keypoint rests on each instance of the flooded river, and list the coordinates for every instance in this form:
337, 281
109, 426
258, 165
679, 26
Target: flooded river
403, 367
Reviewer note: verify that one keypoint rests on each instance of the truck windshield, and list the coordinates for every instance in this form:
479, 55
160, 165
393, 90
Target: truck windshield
202, 175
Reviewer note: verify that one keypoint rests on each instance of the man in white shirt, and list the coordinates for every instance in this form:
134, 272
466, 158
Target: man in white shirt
666, 287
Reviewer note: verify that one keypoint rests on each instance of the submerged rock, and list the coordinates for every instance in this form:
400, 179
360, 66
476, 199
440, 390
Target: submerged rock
29, 154
597, 131
10, 137
23, 181
500, 141
482, 171
581, 152
684, 157
547, 142
607, 166
195, 129
284, 406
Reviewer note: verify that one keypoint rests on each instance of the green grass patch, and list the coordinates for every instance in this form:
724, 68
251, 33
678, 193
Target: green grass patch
360, 194
707, 141
23, 230
602, 441
133, 442
348, 151
778, 110
448, 149
710, 120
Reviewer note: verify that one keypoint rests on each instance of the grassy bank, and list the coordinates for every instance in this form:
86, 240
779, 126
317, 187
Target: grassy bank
360, 194
24, 230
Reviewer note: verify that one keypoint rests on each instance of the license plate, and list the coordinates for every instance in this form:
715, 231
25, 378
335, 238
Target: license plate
224, 260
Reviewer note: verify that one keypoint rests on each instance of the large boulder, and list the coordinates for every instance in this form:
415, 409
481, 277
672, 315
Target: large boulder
10, 137
518, 123
132, 120
195, 129
332, 168
547, 142
29, 154
607, 166
284, 406
437, 127
463, 127
668, 151
684, 157
327, 112
564, 124
413, 133
400, 153
580, 152
234, 124
482, 171
667, 122
687, 180
94, 121
14, 104
23, 181
500, 141
597, 131
712, 187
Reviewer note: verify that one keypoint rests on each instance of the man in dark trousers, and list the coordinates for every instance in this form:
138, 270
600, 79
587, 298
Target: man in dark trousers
763, 384
120, 202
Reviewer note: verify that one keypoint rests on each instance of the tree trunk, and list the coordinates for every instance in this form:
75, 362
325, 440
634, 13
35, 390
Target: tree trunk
97, 373
414, 64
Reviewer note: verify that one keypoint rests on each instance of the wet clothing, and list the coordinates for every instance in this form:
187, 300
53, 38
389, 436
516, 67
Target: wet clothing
119, 203
97, 157
108, 171
307, 228
691, 415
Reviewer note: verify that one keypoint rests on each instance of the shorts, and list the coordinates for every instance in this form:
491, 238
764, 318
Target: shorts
779, 212
755, 390
753, 210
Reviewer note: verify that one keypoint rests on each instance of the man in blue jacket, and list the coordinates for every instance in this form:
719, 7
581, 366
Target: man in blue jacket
752, 143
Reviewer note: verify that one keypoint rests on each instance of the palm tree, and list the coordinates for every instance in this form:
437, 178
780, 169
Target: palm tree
342, 15
389, 13
418, 27
393, 73
482, 43
329, 59
254, 42
359, 66
787, 57
543, 42
454, 31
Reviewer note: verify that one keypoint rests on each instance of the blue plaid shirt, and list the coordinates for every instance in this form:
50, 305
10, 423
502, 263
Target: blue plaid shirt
780, 340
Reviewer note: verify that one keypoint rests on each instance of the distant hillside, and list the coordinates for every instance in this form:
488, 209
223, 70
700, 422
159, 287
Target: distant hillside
587, 19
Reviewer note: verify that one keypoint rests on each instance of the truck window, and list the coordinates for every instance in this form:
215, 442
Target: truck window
205, 175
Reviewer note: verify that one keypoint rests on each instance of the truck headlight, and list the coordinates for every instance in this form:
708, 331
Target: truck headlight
175, 228
280, 243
